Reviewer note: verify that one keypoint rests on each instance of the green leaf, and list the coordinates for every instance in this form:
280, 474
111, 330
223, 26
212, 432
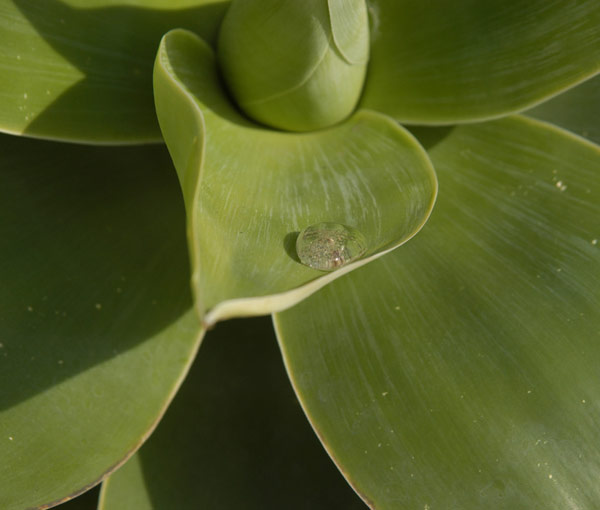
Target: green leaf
461, 371
249, 190
349, 28
440, 62
578, 110
81, 70
282, 66
97, 327
234, 437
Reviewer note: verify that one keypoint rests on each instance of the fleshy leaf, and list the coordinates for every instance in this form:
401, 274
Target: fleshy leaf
249, 190
234, 423
461, 371
348, 29
578, 110
440, 62
295, 66
81, 70
97, 327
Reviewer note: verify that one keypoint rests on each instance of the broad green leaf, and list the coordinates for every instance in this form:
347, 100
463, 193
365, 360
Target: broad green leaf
97, 327
440, 62
461, 371
249, 190
81, 70
233, 438
578, 110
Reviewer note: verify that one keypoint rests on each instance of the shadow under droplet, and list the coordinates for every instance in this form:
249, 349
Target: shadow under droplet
289, 244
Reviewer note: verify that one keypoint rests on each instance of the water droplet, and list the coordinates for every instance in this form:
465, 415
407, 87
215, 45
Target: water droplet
329, 246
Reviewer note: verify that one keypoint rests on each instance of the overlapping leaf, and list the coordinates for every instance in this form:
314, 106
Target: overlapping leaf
461, 371
249, 190
96, 321
446, 62
82, 70
235, 424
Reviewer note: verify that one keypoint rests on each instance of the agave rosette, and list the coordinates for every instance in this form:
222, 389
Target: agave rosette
452, 367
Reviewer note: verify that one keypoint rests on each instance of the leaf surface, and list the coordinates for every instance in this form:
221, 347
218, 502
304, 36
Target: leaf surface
234, 437
249, 190
81, 70
577, 110
461, 371
440, 62
97, 327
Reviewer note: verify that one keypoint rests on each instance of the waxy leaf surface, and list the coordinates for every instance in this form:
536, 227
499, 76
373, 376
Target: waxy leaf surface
461, 370
81, 70
96, 322
440, 62
249, 190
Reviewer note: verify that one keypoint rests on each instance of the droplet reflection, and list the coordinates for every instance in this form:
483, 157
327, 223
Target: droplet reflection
329, 246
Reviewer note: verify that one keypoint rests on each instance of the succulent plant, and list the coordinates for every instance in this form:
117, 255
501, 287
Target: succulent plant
443, 343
